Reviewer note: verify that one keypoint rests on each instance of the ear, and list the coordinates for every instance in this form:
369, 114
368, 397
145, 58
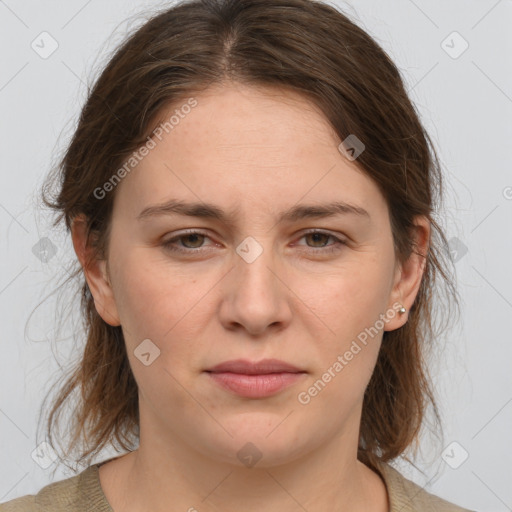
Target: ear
408, 275
95, 272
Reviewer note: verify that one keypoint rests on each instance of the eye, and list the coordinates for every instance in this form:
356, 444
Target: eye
191, 241
194, 239
317, 236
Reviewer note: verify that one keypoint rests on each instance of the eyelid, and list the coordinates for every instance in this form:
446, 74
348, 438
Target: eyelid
339, 241
337, 236
181, 234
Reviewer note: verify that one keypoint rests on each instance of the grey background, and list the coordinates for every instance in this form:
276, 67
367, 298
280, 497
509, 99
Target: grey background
466, 105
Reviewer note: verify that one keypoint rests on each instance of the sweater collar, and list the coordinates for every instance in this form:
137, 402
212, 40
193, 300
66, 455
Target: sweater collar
96, 501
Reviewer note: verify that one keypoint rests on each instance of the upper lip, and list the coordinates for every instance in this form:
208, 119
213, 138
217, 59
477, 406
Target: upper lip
247, 367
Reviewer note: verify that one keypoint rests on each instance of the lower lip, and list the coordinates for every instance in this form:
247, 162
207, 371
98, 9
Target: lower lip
255, 386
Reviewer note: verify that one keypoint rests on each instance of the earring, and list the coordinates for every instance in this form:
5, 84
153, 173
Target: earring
402, 310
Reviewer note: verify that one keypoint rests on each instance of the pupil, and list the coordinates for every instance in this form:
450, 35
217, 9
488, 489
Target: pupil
316, 235
193, 236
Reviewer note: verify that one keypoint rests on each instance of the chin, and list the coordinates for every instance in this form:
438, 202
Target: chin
259, 440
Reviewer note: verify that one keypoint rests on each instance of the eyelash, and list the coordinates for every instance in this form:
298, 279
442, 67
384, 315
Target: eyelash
169, 244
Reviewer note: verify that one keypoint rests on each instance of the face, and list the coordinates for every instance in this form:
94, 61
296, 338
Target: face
250, 282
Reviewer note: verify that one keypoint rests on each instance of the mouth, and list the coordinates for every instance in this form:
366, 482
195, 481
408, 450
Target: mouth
255, 379
263, 367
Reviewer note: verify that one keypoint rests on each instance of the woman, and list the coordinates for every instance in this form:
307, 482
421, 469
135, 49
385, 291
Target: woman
250, 196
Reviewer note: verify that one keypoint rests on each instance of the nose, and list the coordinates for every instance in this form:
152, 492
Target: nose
255, 295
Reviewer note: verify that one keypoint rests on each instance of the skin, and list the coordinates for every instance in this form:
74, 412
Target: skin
261, 151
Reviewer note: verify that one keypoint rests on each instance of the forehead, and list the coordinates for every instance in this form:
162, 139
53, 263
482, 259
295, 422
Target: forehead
244, 145
240, 120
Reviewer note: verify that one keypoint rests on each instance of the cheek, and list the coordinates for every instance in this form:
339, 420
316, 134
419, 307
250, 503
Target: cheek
157, 302
354, 298
148, 290
351, 304
153, 307
141, 300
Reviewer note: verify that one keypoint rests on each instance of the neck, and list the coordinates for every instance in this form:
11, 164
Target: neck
164, 473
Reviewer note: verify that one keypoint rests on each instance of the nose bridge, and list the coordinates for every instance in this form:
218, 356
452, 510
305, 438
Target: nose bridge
256, 265
256, 298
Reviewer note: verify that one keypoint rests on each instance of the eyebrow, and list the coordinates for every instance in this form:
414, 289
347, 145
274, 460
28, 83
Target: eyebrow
211, 211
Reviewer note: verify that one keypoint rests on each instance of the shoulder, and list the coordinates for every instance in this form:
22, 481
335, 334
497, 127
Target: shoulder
24, 504
407, 496
80, 493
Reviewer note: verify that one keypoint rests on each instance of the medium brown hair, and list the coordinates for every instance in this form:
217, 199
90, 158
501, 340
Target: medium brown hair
304, 46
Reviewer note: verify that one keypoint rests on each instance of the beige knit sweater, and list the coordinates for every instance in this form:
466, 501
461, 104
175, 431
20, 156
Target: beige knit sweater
83, 493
